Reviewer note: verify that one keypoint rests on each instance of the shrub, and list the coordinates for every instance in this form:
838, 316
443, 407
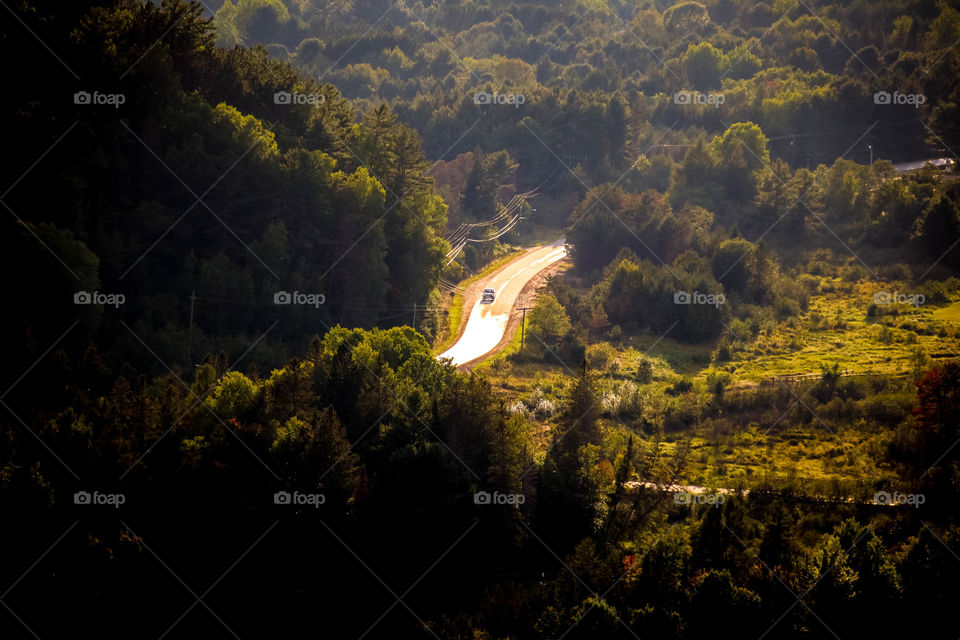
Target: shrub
786, 308
885, 336
644, 371
600, 356
680, 386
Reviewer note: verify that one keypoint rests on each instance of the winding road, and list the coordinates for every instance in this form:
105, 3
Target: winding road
488, 321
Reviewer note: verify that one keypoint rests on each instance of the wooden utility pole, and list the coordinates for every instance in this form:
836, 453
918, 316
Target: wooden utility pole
414, 315
523, 322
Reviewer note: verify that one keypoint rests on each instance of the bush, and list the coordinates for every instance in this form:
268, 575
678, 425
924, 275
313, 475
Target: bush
888, 409
679, 386
644, 371
724, 351
809, 283
855, 273
786, 308
898, 271
885, 336
540, 406
935, 292
600, 356
624, 401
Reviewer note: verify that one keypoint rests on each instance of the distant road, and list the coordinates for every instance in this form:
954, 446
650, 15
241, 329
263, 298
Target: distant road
940, 163
488, 322
880, 498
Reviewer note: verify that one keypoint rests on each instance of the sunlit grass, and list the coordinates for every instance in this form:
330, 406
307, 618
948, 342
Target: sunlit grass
950, 313
835, 329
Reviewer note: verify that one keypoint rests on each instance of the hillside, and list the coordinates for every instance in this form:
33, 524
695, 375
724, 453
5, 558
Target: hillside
241, 235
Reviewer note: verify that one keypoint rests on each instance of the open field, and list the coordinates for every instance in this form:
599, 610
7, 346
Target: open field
836, 328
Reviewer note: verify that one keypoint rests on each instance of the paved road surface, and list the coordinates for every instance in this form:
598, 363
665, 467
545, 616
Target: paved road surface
488, 322
940, 163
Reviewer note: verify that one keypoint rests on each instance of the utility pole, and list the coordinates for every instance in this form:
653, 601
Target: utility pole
193, 297
870, 146
523, 323
414, 315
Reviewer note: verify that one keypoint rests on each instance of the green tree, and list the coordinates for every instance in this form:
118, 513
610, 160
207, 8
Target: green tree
730, 263
724, 608
749, 137
261, 20
686, 17
594, 618
694, 180
233, 395
548, 319
937, 227
616, 117
314, 454
704, 66
482, 191
572, 502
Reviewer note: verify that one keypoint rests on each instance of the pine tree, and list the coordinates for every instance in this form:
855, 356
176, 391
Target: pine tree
581, 414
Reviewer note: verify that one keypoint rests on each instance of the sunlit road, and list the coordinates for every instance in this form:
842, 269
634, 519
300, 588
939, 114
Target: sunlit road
488, 322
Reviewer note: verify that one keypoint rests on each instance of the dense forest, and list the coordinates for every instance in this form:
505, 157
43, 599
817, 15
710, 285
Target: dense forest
604, 83
200, 176
230, 233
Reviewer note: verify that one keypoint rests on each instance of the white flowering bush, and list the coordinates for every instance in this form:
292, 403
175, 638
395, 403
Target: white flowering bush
517, 407
545, 408
539, 405
610, 404
623, 401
